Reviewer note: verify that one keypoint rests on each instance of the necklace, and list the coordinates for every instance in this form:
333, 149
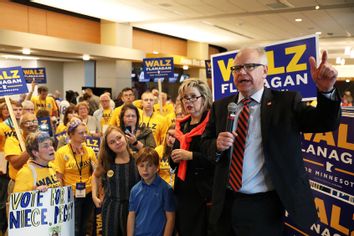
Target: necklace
43, 166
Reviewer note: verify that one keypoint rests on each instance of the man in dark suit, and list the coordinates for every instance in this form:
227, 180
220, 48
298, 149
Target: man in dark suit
273, 174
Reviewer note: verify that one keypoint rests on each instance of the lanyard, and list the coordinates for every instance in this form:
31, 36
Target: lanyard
79, 167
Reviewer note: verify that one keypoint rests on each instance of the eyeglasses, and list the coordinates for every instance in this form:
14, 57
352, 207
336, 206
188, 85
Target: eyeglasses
30, 122
191, 99
247, 67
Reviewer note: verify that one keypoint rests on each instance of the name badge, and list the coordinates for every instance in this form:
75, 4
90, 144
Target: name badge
80, 190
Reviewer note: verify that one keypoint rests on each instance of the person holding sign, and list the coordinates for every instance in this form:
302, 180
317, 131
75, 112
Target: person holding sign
116, 166
74, 164
38, 173
259, 171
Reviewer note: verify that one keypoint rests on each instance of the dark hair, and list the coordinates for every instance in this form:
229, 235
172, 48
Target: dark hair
42, 89
106, 156
33, 140
148, 154
70, 109
127, 89
121, 115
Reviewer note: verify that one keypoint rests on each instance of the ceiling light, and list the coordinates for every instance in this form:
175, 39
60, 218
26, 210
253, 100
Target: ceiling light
342, 62
347, 51
347, 80
338, 60
185, 67
86, 57
155, 52
317, 7
352, 53
318, 32
26, 51
298, 19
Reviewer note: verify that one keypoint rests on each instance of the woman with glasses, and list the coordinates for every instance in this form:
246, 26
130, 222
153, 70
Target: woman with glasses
38, 173
137, 136
74, 164
194, 173
116, 166
90, 121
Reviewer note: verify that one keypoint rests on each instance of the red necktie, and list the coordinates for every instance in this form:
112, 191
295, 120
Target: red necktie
235, 179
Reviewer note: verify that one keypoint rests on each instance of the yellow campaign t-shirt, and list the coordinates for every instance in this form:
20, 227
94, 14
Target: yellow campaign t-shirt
165, 169
12, 148
65, 164
5, 132
106, 117
61, 128
48, 104
166, 109
44, 176
158, 125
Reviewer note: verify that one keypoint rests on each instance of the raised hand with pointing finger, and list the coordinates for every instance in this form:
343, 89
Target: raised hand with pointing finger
324, 75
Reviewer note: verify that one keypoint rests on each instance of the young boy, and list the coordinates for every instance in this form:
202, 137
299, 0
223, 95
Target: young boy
151, 202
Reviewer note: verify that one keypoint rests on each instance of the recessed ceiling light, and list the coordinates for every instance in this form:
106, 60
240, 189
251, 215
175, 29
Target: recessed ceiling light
26, 51
318, 32
298, 19
347, 50
338, 60
86, 57
155, 52
185, 67
347, 80
317, 7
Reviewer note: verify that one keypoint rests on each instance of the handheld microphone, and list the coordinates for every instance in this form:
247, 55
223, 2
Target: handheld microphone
231, 108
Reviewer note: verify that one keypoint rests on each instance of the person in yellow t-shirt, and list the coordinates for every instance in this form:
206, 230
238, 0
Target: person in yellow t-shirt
42, 101
104, 113
167, 107
128, 97
74, 164
13, 153
69, 113
38, 173
151, 119
164, 150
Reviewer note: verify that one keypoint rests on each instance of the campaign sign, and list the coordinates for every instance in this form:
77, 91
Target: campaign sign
208, 68
93, 142
45, 125
288, 68
328, 157
158, 67
42, 213
12, 81
335, 213
37, 74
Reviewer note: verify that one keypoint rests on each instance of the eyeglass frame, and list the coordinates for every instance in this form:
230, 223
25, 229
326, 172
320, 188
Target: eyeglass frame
191, 99
238, 68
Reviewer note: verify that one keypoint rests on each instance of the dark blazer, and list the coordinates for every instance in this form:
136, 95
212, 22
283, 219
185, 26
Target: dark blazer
283, 118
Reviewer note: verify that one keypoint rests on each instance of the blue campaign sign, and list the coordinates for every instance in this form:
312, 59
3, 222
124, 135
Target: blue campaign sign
158, 67
38, 74
329, 156
93, 142
288, 68
12, 81
334, 213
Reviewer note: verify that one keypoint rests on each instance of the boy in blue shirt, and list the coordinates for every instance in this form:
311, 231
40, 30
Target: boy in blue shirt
151, 202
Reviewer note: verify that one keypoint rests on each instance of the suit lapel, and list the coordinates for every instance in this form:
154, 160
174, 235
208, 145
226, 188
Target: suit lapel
266, 111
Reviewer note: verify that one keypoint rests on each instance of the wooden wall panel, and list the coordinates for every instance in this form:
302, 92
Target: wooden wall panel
150, 42
18, 17
13, 16
69, 27
37, 21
